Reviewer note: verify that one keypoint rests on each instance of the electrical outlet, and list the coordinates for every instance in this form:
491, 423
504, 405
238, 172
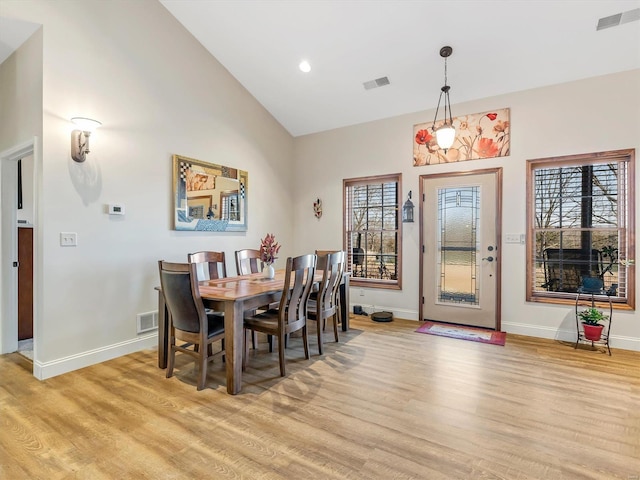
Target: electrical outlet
68, 239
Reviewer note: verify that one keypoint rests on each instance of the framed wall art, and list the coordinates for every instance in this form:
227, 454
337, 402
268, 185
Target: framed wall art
479, 135
208, 196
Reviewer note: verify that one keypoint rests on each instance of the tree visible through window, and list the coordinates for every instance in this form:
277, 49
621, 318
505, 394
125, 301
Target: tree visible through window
372, 230
580, 224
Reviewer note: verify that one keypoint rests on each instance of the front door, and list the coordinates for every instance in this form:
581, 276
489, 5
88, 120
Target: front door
460, 269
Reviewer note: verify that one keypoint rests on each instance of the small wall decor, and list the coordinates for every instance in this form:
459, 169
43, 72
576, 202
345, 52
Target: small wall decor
200, 187
480, 135
317, 208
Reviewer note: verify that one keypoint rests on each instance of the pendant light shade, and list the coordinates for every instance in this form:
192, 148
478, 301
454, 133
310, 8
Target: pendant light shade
446, 134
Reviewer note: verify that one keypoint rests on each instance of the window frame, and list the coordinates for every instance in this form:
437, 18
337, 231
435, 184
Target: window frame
626, 231
346, 231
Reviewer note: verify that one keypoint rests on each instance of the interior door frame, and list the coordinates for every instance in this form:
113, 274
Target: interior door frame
498, 207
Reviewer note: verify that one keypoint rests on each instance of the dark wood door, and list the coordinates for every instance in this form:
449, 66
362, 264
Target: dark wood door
25, 283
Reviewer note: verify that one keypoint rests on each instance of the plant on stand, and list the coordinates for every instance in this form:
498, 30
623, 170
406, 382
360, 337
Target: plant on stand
269, 248
591, 318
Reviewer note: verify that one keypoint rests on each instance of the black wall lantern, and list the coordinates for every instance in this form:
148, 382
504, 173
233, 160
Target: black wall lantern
407, 210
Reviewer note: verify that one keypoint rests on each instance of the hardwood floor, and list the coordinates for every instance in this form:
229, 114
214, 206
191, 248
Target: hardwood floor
384, 403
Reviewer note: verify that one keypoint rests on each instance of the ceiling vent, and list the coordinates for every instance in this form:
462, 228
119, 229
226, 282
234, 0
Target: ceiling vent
378, 82
619, 19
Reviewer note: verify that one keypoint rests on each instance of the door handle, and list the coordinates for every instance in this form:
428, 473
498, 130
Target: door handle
488, 259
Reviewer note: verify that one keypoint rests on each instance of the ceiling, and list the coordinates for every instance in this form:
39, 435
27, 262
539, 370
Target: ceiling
499, 46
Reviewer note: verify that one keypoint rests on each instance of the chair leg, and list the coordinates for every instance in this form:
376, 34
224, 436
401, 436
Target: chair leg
254, 339
245, 349
305, 341
281, 338
202, 375
336, 316
172, 358
319, 330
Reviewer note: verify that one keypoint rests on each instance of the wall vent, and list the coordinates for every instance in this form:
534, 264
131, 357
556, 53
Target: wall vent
147, 321
618, 19
378, 82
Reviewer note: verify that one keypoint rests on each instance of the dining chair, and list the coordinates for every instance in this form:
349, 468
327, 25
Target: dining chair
291, 315
325, 304
211, 265
248, 261
188, 320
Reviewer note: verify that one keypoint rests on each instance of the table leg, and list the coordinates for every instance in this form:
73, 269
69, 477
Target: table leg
163, 330
234, 344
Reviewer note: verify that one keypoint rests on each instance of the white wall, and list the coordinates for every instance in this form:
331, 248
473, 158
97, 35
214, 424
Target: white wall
157, 93
592, 115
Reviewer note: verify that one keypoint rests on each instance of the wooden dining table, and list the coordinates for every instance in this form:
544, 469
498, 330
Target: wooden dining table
234, 296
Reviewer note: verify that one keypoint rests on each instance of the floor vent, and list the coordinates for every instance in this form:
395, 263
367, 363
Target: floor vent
147, 321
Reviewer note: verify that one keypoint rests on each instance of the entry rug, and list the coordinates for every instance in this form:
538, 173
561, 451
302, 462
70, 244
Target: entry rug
464, 333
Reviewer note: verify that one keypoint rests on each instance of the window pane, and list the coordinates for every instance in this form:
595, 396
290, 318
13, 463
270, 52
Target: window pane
580, 225
458, 221
371, 234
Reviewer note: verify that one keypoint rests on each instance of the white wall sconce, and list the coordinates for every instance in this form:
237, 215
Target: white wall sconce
80, 137
407, 210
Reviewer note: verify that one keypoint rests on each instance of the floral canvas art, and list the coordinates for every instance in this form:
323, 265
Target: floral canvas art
480, 135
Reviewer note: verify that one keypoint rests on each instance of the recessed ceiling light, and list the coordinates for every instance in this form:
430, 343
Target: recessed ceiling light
305, 66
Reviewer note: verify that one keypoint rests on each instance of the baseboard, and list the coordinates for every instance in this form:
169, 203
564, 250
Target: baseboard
615, 341
44, 370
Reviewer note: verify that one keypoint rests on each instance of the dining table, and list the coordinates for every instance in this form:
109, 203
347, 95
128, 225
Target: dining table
234, 296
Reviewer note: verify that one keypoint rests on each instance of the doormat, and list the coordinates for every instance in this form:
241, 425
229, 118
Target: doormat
464, 333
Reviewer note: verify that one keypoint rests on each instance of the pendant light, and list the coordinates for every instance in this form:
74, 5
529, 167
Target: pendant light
446, 134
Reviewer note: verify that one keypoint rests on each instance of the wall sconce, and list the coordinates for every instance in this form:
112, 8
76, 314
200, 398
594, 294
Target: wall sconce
446, 134
407, 210
80, 137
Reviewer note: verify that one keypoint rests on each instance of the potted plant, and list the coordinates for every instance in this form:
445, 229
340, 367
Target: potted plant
591, 318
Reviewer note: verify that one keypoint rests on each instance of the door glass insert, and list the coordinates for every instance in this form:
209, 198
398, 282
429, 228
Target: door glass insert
457, 253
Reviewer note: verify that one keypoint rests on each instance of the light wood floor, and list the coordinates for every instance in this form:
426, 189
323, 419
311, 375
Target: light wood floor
384, 403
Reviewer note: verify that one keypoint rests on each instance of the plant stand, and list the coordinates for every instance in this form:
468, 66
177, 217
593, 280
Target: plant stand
586, 294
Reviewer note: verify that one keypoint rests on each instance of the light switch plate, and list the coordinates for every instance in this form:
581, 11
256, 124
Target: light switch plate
514, 238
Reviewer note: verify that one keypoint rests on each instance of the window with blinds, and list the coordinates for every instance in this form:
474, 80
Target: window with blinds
581, 223
372, 230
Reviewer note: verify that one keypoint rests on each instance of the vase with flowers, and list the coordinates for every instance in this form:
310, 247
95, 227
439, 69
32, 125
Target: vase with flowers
269, 248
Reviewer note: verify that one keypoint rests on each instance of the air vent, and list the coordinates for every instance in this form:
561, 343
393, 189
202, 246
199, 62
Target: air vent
147, 321
378, 82
618, 19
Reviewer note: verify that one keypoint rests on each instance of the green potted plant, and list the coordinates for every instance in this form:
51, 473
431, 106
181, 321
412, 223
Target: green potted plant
591, 318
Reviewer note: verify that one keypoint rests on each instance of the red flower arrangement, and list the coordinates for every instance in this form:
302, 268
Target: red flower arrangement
269, 248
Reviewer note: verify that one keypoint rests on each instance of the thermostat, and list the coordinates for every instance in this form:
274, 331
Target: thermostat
115, 209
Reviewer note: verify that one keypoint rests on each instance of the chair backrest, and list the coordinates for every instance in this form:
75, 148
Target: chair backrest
179, 285
296, 290
211, 265
248, 261
332, 266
